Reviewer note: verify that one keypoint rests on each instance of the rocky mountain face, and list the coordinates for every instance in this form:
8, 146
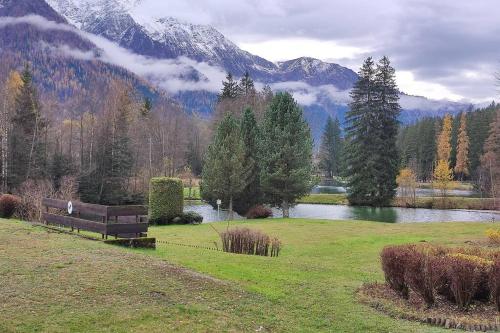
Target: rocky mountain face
59, 75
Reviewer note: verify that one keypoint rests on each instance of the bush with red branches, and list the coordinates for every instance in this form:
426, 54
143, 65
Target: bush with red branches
8, 205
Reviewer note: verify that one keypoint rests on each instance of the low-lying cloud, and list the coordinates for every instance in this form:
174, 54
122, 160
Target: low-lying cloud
173, 75
184, 74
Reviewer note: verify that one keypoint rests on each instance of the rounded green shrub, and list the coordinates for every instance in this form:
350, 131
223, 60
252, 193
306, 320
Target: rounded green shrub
166, 199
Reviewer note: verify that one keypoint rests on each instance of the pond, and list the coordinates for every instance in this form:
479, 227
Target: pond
385, 214
420, 192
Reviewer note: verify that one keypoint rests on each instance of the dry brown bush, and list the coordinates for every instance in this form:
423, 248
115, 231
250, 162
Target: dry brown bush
32, 193
247, 241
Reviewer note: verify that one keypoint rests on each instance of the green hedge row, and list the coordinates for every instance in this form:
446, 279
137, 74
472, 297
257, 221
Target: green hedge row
166, 199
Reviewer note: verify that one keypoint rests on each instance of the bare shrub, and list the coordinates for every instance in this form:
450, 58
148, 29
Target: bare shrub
8, 205
32, 193
68, 188
247, 241
464, 277
419, 274
394, 260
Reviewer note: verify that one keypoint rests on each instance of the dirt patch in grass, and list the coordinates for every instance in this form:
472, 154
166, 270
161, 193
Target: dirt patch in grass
52, 282
480, 317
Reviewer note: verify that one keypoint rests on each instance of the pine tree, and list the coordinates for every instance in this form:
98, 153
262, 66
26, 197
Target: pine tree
246, 86
27, 149
444, 140
360, 133
388, 109
107, 183
286, 168
230, 88
462, 164
331, 148
224, 174
372, 154
250, 136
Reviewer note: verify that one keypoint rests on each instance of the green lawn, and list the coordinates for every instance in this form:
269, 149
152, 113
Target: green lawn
325, 199
194, 195
312, 284
55, 282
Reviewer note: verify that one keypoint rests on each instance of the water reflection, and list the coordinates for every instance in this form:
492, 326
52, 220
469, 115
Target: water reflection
385, 214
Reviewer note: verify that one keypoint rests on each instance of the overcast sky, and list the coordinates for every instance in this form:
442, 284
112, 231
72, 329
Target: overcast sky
442, 49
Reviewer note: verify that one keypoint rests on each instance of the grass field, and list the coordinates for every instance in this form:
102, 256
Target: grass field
312, 284
421, 202
59, 283
194, 195
325, 199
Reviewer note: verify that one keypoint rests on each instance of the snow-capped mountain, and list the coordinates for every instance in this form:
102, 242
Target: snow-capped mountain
201, 54
161, 36
158, 36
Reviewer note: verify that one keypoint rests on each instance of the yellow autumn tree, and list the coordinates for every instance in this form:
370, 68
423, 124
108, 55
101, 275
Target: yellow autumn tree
443, 175
407, 183
8, 95
462, 165
444, 140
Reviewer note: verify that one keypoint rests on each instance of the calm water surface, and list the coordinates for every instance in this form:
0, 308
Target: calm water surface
386, 214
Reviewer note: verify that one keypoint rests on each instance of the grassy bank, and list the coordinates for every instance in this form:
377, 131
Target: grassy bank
463, 186
452, 203
421, 202
53, 282
325, 199
194, 194
312, 283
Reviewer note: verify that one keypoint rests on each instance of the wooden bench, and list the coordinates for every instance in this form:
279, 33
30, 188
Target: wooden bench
118, 221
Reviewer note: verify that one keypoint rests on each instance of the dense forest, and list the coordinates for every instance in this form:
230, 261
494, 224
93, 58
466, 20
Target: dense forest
468, 135
109, 140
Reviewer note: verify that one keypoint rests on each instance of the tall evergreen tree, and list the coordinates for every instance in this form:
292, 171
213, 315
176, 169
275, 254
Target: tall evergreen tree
224, 174
107, 183
462, 160
388, 109
331, 148
360, 133
372, 156
286, 169
27, 147
247, 87
250, 136
230, 88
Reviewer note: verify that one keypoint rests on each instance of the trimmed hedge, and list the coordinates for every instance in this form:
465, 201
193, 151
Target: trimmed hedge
166, 199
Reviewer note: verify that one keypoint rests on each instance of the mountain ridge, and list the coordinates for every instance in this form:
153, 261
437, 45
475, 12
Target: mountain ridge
322, 88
